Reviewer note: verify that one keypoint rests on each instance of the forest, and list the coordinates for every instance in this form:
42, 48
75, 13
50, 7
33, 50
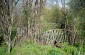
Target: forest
42, 27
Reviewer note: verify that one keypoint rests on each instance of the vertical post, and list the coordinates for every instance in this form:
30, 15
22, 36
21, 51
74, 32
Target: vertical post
64, 18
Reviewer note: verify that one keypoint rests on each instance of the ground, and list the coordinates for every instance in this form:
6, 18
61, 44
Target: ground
31, 48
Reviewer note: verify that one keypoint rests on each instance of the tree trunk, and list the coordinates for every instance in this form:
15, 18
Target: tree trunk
9, 39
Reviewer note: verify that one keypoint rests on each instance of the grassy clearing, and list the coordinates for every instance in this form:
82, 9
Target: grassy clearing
30, 48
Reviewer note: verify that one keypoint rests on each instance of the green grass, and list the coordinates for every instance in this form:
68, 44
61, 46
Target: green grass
3, 50
30, 48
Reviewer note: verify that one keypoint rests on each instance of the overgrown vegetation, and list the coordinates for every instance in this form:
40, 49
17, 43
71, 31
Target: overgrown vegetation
40, 24
31, 48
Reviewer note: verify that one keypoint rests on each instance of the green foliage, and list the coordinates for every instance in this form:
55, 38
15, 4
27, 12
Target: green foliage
56, 51
77, 5
13, 34
3, 50
31, 48
56, 15
52, 15
70, 49
51, 18
25, 16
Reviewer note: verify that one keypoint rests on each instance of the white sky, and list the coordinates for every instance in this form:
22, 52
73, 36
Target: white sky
54, 2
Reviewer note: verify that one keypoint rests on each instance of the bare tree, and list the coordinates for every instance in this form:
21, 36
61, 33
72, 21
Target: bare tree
7, 20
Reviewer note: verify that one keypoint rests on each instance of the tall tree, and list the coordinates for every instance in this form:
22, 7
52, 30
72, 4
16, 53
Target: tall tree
6, 18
